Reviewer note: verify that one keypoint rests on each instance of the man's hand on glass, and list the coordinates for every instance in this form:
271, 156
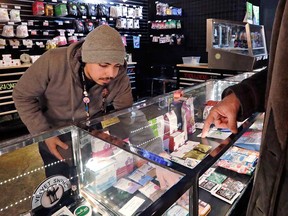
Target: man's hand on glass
223, 115
52, 144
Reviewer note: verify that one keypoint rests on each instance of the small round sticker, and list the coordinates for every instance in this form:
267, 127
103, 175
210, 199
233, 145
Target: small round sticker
217, 56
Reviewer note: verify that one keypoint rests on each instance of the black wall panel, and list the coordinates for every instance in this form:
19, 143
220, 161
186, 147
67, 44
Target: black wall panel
195, 13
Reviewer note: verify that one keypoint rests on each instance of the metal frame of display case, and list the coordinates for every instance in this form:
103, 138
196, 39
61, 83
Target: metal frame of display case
226, 56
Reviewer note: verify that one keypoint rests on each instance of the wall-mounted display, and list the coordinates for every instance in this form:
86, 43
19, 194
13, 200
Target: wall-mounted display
234, 45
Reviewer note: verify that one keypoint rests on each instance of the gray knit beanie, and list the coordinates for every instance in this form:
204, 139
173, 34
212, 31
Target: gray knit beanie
103, 45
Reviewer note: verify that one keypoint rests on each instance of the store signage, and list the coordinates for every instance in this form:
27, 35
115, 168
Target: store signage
7, 86
197, 76
50, 191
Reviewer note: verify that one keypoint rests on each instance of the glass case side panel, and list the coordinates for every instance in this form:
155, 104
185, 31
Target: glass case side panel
258, 41
209, 34
30, 173
116, 179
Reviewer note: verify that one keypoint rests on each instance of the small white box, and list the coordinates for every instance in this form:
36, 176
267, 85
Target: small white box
193, 60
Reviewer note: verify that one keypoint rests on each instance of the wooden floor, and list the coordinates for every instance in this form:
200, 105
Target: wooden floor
16, 190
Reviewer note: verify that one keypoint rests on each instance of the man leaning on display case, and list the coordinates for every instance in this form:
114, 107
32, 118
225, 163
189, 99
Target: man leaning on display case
72, 83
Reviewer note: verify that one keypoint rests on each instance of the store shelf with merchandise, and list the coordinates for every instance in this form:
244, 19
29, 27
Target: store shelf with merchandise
32, 27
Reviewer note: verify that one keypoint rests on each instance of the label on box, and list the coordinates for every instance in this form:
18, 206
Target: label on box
149, 189
226, 194
145, 168
177, 210
140, 177
127, 185
109, 122
125, 162
170, 122
63, 211
131, 206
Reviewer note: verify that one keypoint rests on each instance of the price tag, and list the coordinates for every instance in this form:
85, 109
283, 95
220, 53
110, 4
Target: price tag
54, 0
15, 47
33, 32
29, 46
10, 23
60, 23
17, 7
67, 21
64, 2
45, 23
4, 6
30, 22
109, 122
84, 17
93, 18
45, 33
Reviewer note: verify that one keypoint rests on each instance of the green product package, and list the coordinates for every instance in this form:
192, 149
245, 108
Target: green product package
61, 10
194, 154
216, 177
202, 148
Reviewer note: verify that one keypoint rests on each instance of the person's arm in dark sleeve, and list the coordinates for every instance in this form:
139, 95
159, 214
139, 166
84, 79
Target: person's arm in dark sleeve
251, 94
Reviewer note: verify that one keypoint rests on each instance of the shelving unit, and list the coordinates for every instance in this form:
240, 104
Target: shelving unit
43, 28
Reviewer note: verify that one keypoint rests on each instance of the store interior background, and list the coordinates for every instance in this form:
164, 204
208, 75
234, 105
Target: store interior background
154, 60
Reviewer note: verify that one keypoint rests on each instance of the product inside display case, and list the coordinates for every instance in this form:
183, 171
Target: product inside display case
235, 45
119, 182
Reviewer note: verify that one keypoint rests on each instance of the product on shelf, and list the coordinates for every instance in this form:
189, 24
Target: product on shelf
8, 31
15, 15
22, 31
4, 17
239, 160
102, 10
38, 8
49, 10
72, 8
61, 9
2, 43
92, 10
82, 9
14, 42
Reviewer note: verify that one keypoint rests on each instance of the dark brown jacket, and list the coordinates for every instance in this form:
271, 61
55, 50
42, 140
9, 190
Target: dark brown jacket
270, 191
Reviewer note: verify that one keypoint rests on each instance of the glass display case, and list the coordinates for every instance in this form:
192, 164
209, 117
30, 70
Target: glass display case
104, 178
148, 159
234, 45
170, 126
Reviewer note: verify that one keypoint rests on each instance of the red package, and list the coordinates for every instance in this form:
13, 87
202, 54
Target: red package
38, 8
